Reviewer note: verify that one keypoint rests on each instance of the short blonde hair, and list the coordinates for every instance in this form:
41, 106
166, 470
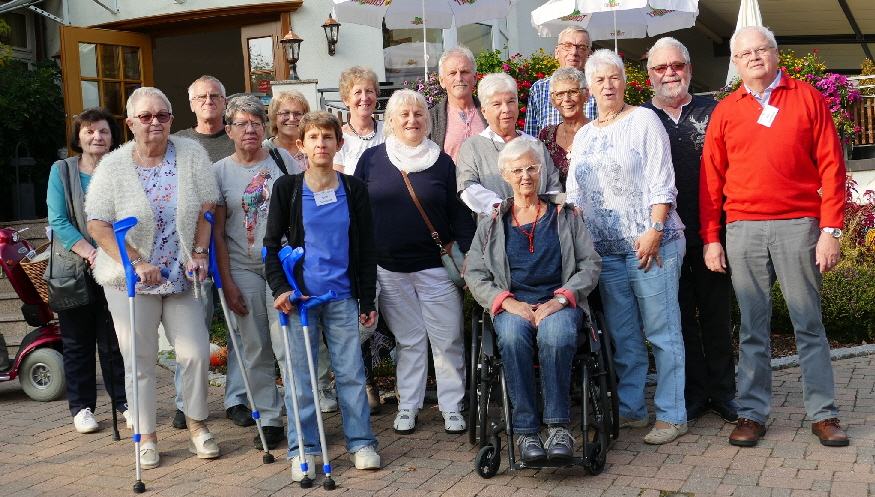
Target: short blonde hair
401, 98
281, 98
352, 75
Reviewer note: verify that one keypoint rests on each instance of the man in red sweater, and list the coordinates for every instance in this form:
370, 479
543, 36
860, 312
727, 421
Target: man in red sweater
772, 164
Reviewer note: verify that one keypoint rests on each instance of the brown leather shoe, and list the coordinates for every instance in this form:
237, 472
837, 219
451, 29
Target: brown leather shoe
830, 433
747, 433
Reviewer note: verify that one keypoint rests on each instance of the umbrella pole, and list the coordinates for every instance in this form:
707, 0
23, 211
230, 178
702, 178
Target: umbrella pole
616, 50
424, 48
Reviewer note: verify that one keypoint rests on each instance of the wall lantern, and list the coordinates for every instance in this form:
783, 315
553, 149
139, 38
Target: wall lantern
332, 30
292, 48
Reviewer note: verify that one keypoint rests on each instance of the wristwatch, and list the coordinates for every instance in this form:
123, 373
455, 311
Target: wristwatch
658, 226
561, 299
200, 250
833, 232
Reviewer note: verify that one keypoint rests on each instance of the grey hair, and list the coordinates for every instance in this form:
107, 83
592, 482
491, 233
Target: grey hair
250, 104
573, 29
459, 51
762, 30
401, 98
568, 74
669, 42
493, 83
145, 92
603, 58
516, 148
206, 78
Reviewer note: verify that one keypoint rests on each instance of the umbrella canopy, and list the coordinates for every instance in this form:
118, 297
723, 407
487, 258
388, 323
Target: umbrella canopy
748, 15
407, 14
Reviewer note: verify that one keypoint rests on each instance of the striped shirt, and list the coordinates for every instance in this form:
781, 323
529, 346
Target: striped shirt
540, 111
617, 174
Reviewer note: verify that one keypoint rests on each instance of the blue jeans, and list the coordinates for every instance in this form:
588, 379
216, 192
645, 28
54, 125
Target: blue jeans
339, 322
758, 252
634, 300
557, 341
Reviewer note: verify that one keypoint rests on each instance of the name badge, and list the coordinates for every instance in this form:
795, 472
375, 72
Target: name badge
325, 197
767, 116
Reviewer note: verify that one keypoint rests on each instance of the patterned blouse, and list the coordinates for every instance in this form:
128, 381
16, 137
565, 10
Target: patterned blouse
561, 157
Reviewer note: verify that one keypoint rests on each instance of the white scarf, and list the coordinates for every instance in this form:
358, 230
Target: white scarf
412, 159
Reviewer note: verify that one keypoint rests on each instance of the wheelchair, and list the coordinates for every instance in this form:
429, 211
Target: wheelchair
594, 399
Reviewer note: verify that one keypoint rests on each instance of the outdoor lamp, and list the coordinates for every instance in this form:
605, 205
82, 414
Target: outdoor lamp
332, 29
292, 48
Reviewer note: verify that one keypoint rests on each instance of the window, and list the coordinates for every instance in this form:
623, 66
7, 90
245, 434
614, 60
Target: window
404, 56
477, 37
19, 36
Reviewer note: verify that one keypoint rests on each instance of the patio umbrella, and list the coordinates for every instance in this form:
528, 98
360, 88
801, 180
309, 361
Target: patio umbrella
748, 15
407, 14
611, 19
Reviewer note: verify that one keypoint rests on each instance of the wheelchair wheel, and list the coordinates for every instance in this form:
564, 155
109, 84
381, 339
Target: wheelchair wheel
597, 414
487, 462
608, 362
474, 378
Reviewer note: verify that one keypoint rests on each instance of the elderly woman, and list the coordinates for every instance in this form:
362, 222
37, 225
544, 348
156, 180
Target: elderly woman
532, 265
479, 180
358, 91
568, 93
167, 184
621, 175
285, 111
246, 181
418, 299
95, 132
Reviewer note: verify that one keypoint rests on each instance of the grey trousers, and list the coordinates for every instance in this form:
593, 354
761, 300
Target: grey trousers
759, 252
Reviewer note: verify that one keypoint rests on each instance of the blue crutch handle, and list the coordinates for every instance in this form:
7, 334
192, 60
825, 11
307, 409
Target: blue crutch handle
214, 268
289, 258
120, 228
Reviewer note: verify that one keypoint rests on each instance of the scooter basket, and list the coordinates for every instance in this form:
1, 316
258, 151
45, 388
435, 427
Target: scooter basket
36, 270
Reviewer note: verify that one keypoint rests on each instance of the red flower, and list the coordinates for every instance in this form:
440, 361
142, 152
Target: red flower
648, 83
521, 123
797, 69
523, 109
540, 75
815, 50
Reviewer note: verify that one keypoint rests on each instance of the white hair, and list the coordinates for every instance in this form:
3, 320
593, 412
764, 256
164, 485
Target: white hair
603, 58
518, 147
459, 51
401, 98
669, 42
493, 83
760, 29
568, 74
573, 29
145, 92
206, 78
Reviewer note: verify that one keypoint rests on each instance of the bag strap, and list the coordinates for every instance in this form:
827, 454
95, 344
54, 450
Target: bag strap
434, 233
280, 163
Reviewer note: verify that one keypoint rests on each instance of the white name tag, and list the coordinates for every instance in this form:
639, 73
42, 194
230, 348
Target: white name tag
325, 197
768, 116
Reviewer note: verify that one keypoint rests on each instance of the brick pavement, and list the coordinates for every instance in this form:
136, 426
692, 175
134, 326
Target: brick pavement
41, 454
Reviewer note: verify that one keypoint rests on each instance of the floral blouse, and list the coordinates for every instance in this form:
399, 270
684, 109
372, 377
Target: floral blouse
559, 155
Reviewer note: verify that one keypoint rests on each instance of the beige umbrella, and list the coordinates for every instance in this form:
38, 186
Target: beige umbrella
748, 15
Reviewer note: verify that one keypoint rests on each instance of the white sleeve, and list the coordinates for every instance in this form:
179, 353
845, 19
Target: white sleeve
480, 199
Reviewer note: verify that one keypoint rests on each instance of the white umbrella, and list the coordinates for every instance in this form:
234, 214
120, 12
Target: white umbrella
407, 14
748, 15
606, 20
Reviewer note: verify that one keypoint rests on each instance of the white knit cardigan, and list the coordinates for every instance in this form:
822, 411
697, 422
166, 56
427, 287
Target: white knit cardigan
115, 193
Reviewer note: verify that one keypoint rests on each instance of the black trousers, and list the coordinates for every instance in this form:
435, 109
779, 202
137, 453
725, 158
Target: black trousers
705, 299
83, 328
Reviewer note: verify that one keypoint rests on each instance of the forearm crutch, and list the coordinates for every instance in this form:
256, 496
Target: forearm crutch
120, 228
267, 458
289, 258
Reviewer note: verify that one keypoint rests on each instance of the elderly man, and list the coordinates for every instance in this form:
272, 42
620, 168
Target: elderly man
705, 296
572, 50
772, 165
207, 98
457, 118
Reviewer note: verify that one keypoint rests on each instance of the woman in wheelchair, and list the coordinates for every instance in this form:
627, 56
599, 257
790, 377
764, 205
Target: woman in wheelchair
532, 265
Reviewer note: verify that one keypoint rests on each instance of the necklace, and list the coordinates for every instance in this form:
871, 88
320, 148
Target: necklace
614, 115
146, 164
368, 136
530, 236
565, 137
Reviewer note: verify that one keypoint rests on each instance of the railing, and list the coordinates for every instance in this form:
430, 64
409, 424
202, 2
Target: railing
864, 112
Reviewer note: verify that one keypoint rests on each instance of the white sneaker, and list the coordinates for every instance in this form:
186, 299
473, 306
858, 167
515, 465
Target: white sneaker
454, 423
129, 419
405, 421
149, 458
365, 458
297, 473
84, 421
327, 400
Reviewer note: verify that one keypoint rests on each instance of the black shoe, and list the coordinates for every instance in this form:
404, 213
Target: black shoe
726, 409
273, 435
179, 420
560, 444
531, 448
697, 410
240, 415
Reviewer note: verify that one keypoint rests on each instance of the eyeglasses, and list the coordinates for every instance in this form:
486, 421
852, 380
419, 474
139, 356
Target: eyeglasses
284, 114
163, 117
211, 96
748, 53
245, 125
571, 94
571, 46
675, 66
531, 170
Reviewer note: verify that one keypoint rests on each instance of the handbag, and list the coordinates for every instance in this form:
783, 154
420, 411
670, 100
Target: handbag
451, 256
68, 290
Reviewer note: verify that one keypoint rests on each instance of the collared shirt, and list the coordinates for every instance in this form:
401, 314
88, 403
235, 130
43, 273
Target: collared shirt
459, 130
767, 93
540, 111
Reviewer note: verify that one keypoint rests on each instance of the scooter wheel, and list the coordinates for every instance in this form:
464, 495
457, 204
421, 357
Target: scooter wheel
42, 375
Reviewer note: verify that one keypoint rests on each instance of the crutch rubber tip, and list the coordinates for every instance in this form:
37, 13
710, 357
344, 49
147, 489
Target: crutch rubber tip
329, 484
267, 459
115, 436
306, 482
139, 487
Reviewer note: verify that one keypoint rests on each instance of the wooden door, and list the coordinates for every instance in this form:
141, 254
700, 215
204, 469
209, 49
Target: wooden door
262, 54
